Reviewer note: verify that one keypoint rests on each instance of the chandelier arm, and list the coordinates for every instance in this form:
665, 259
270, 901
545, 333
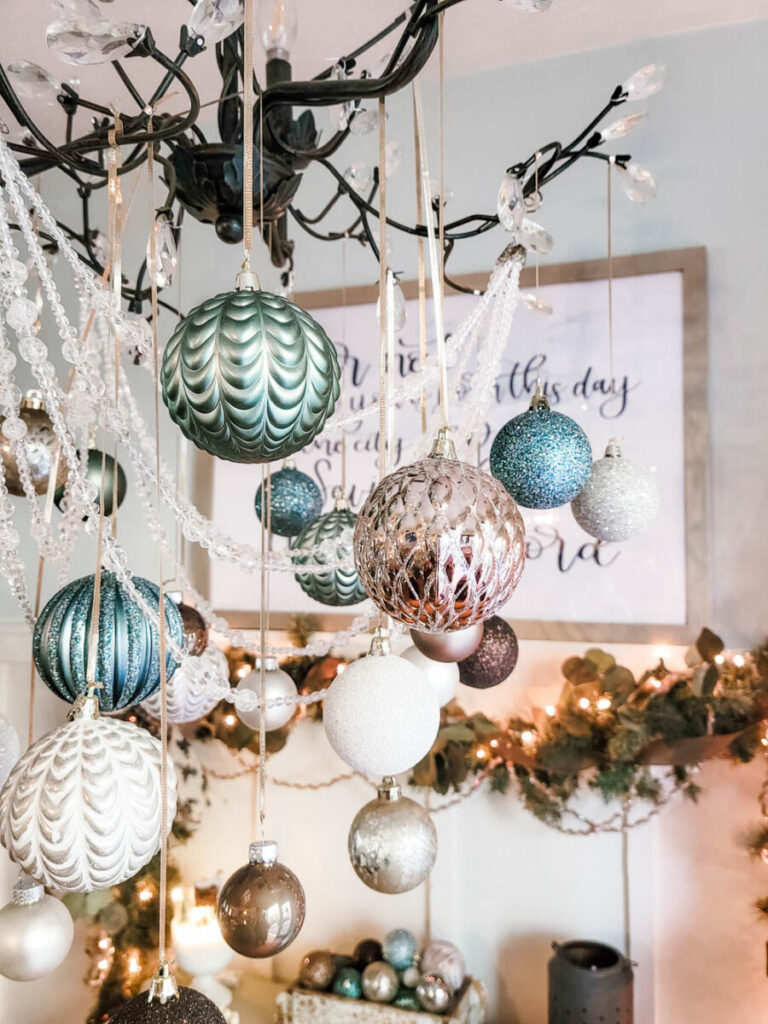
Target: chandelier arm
417, 11
125, 79
350, 58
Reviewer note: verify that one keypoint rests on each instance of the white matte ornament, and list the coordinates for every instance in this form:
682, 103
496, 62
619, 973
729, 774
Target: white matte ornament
442, 675
381, 714
81, 809
618, 500
188, 697
36, 932
445, 959
277, 684
9, 748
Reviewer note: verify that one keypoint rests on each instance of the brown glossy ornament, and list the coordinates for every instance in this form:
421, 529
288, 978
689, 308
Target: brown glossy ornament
261, 906
195, 630
368, 951
317, 970
453, 646
40, 445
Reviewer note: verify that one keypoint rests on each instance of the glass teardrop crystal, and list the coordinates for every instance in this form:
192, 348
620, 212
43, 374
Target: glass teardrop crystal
91, 40
535, 303
166, 254
510, 202
32, 82
624, 125
645, 82
214, 20
638, 183
534, 237
360, 177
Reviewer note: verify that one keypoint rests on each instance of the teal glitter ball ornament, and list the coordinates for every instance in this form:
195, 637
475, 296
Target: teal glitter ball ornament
128, 655
407, 1000
337, 587
248, 376
114, 482
400, 948
348, 982
542, 457
295, 501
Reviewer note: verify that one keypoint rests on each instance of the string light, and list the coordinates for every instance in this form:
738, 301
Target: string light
145, 894
738, 660
550, 710
603, 703
230, 720
527, 738
719, 659
134, 962
584, 703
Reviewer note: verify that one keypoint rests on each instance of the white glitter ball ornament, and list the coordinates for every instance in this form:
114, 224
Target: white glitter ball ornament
9, 748
81, 810
188, 696
618, 500
442, 675
381, 714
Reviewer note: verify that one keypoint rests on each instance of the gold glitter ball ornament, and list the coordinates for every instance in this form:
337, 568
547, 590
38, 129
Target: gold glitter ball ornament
439, 545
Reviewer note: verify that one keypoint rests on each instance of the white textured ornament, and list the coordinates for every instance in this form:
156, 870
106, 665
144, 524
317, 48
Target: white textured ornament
618, 500
36, 933
9, 748
188, 696
443, 676
381, 714
278, 685
445, 959
81, 810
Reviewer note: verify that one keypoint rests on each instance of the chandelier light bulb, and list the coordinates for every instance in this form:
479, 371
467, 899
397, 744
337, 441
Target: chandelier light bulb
645, 82
278, 26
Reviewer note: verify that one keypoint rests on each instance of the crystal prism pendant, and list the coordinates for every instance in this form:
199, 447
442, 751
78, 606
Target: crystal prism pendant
638, 183
340, 114
510, 204
535, 303
398, 311
166, 254
645, 82
214, 20
32, 82
625, 125
92, 40
360, 177
531, 6
364, 121
76, 9
534, 238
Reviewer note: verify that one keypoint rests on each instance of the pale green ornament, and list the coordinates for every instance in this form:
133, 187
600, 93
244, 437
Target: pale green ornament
250, 377
337, 587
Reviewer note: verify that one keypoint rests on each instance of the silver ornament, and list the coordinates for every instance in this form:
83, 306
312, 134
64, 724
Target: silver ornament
392, 842
410, 976
618, 500
445, 959
442, 675
400, 948
380, 982
36, 932
277, 685
434, 994
439, 545
187, 696
380, 714
9, 748
454, 646
81, 809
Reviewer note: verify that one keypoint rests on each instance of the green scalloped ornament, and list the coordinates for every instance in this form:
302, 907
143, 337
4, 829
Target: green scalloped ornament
250, 377
337, 587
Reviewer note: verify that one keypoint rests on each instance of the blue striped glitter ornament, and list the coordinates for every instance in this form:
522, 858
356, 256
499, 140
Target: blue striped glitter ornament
128, 657
542, 457
337, 587
295, 501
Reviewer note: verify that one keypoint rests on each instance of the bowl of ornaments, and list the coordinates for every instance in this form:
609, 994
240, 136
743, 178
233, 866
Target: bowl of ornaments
387, 982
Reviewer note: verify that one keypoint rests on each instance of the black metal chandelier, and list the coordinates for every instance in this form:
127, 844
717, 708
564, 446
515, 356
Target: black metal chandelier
204, 178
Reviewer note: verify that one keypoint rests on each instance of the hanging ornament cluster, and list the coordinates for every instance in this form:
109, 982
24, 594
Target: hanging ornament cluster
542, 457
36, 932
337, 587
618, 500
261, 906
115, 484
128, 653
277, 685
188, 697
40, 446
439, 545
381, 714
250, 377
392, 844
495, 658
295, 501
81, 809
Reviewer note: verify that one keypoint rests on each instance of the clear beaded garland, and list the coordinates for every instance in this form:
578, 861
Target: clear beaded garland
439, 545
619, 500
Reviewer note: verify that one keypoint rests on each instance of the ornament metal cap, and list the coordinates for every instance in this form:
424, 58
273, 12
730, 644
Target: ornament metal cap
380, 645
33, 399
27, 891
539, 400
443, 448
246, 280
87, 704
389, 790
339, 500
263, 852
613, 448
270, 664
163, 987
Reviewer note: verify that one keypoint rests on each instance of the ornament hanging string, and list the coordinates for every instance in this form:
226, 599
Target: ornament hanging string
344, 362
383, 304
248, 101
441, 142
421, 273
164, 823
609, 234
116, 223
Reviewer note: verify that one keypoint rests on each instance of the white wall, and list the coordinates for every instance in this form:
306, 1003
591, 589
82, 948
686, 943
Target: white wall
504, 886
